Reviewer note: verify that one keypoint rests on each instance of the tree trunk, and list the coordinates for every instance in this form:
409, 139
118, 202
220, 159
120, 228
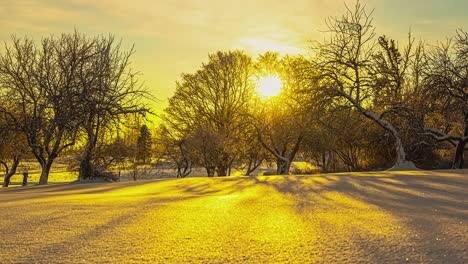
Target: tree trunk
399, 149
25, 178
87, 169
324, 162
86, 166
10, 173
401, 158
222, 166
253, 165
222, 170
184, 168
44, 178
282, 166
210, 170
250, 168
459, 160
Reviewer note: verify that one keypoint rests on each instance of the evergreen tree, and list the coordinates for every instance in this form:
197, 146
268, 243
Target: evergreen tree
144, 144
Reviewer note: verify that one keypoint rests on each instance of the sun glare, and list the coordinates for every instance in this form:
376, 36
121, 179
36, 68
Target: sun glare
269, 85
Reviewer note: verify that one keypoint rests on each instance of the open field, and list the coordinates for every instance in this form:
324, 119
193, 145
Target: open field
374, 217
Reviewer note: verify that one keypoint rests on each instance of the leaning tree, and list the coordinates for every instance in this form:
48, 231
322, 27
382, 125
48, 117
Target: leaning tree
355, 69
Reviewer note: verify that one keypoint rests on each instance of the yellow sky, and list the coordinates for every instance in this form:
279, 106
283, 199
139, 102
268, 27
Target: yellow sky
175, 36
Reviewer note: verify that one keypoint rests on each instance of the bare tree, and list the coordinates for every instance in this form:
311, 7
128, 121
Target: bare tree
39, 88
281, 135
346, 63
13, 147
288, 118
176, 147
211, 106
448, 78
109, 88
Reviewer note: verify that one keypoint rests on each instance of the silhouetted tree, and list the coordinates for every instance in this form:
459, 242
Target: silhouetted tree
176, 147
40, 93
210, 108
144, 144
447, 77
109, 89
288, 118
354, 72
13, 147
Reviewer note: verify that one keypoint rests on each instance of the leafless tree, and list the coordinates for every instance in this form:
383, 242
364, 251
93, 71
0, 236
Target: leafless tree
282, 136
13, 147
211, 107
176, 147
349, 63
447, 77
288, 118
108, 89
40, 82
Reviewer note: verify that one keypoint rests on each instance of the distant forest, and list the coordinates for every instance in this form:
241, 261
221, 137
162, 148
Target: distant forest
362, 101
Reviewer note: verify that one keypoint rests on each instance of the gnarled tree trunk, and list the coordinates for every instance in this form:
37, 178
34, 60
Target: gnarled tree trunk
9, 172
283, 166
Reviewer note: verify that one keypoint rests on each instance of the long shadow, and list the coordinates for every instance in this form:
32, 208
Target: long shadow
425, 203
69, 248
415, 198
423, 197
50, 191
423, 193
400, 193
421, 201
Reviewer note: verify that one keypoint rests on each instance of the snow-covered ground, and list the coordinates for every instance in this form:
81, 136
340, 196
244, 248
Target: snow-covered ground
365, 217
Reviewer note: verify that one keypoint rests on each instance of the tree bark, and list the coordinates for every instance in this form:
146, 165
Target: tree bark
9, 173
222, 171
459, 160
44, 178
401, 158
282, 166
210, 171
86, 166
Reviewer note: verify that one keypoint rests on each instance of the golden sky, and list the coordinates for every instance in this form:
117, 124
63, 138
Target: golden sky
175, 36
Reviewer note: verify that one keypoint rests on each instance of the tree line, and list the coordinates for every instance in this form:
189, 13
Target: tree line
361, 102
61, 92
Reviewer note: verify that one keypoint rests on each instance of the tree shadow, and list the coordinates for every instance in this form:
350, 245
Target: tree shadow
57, 190
421, 199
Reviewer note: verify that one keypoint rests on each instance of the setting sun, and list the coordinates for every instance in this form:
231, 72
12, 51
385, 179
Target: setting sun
269, 85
